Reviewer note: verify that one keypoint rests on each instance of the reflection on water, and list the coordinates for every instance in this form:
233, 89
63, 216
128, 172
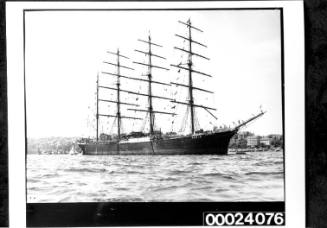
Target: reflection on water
256, 176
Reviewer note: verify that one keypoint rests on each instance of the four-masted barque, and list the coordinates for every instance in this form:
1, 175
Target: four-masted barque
155, 142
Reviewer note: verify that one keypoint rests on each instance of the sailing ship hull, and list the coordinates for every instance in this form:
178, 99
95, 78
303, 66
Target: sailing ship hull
202, 144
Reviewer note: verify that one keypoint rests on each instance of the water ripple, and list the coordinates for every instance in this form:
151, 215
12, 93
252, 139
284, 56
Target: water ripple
64, 178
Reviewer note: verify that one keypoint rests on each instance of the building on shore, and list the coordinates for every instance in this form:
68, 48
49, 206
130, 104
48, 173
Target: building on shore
249, 140
266, 141
253, 141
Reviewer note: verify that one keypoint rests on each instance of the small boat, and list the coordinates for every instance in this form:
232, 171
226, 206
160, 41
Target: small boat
73, 151
240, 152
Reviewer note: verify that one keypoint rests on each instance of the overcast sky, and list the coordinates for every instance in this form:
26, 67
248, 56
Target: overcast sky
66, 49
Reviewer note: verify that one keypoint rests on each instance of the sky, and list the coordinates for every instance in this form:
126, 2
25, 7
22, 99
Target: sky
65, 50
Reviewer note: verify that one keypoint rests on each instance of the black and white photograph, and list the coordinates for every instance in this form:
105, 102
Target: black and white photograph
154, 106
148, 105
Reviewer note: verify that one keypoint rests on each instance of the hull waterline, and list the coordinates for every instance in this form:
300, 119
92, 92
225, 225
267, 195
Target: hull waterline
215, 143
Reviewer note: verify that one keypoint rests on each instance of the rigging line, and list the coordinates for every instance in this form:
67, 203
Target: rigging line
194, 105
183, 124
197, 123
192, 53
112, 126
119, 65
144, 122
193, 87
145, 80
131, 92
119, 75
125, 117
147, 53
211, 113
195, 71
154, 122
186, 119
153, 111
115, 53
191, 26
121, 127
150, 65
193, 41
149, 43
123, 103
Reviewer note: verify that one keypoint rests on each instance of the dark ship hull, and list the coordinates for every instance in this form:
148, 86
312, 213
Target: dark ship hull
213, 143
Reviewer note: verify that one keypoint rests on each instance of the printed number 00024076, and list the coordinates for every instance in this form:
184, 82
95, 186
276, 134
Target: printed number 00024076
243, 218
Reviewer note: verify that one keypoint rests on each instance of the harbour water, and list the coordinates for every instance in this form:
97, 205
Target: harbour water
255, 176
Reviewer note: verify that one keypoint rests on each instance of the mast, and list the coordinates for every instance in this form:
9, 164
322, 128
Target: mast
118, 95
190, 76
118, 90
150, 81
97, 115
190, 70
150, 88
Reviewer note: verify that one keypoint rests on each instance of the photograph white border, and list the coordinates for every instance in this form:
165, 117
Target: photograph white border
294, 95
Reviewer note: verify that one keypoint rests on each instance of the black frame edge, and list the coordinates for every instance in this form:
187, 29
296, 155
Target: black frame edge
4, 194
